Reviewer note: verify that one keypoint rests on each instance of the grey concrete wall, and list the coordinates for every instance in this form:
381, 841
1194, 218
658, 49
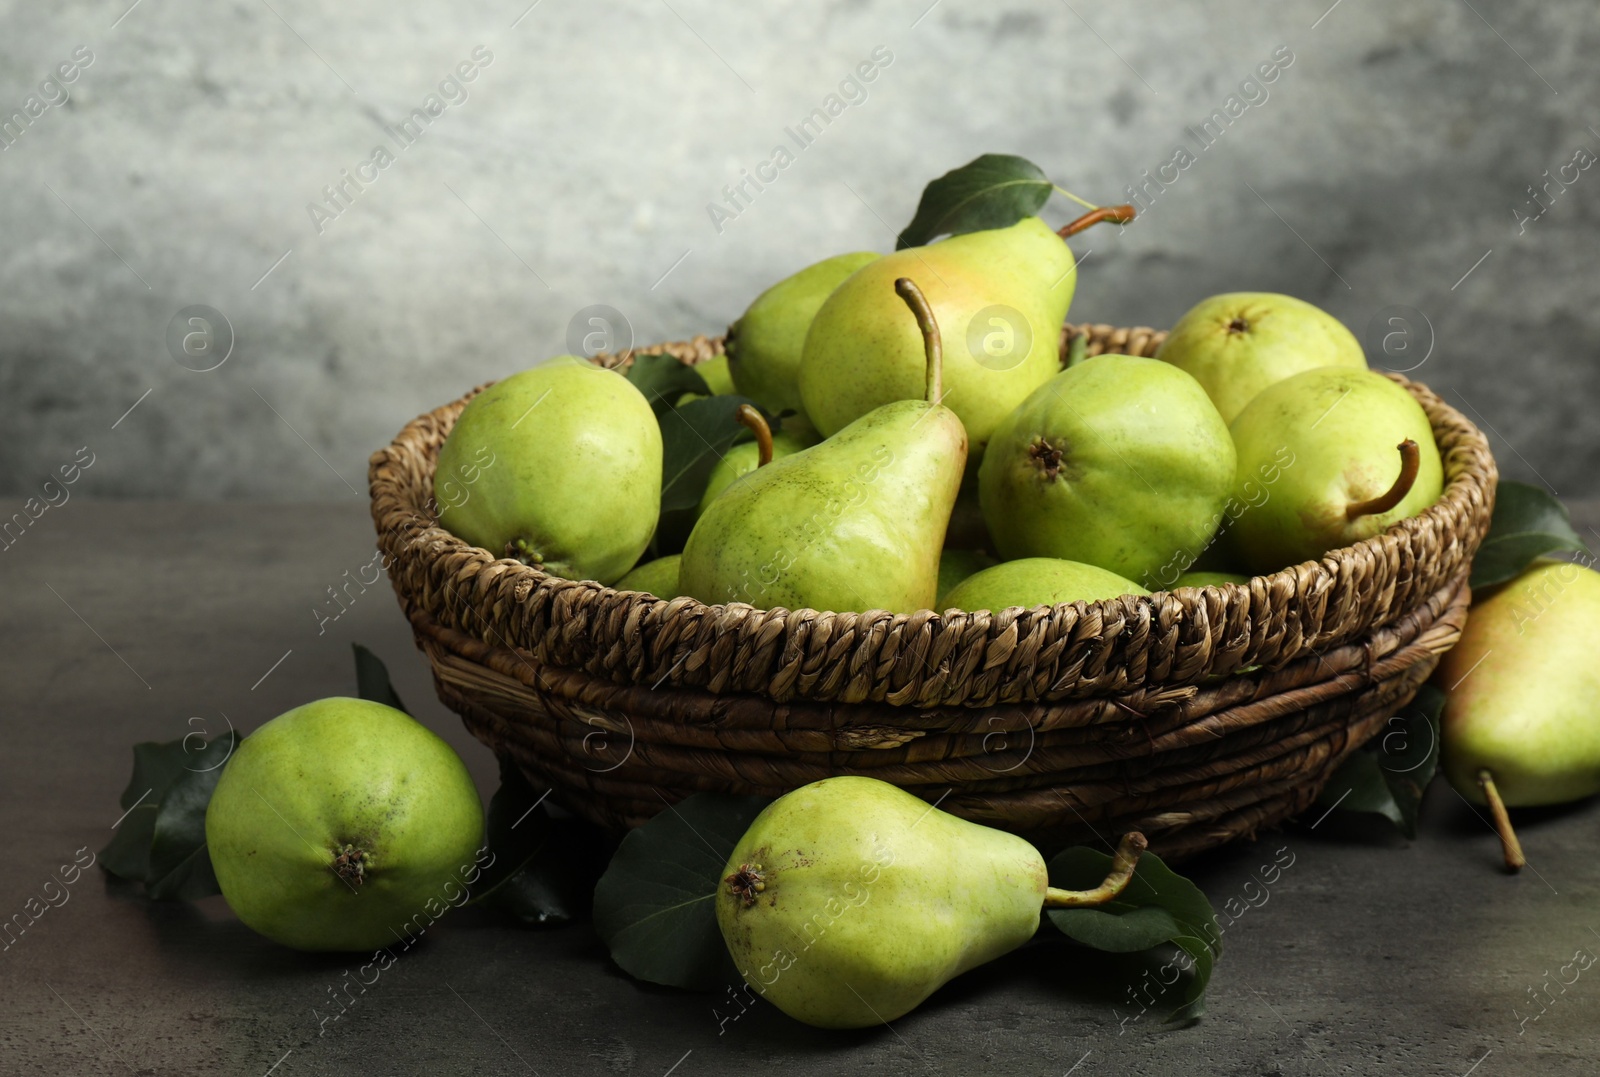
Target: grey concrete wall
1383, 169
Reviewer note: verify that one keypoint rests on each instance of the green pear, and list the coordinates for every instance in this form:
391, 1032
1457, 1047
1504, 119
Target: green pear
853, 523
716, 375
344, 825
957, 565
764, 345
745, 458
1327, 458
1037, 581
1210, 579
849, 901
1117, 461
558, 466
1238, 343
658, 577
1000, 295
1524, 690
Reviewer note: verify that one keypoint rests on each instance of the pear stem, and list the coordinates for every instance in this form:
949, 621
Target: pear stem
932, 345
1502, 823
1410, 462
1122, 865
1115, 214
750, 417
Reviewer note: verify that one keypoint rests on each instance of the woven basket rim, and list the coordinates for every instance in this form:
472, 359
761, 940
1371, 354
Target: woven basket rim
408, 530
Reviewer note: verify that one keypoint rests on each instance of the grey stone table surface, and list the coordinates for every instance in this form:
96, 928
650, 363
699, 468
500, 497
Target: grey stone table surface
124, 622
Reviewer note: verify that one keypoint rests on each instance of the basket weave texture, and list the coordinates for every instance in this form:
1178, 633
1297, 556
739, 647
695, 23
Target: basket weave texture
1196, 715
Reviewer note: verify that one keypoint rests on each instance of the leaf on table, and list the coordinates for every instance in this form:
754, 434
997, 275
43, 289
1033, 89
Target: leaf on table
161, 839
544, 865
995, 190
1388, 775
372, 680
180, 867
1158, 908
127, 855
653, 906
1527, 524
663, 380
155, 768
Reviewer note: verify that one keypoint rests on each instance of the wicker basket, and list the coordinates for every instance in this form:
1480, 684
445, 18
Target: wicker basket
1195, 716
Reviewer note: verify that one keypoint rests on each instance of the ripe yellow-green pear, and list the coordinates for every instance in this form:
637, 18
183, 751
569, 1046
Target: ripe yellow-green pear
558, 466
1118, 461
1000, 297
1037, 581
849, 901
1327, 458
343, 825
764, 345
1524, 689
715, 373
658, 577
1238, 343
854, 523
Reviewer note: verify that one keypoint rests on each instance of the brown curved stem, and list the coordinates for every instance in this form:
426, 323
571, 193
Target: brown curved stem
1115, 214
1410, 461
907, 289
1122, 865
750, 417
1509, 845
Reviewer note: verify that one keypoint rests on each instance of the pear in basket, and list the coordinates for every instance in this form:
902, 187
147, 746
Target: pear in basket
1037, 581
763, 346
1001, 296
856, 522
558, 466
1238, 343
1328, 458
1118, 461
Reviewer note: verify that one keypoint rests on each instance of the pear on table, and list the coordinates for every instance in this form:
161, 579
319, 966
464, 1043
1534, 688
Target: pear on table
1521, 719
850, 901
856, 522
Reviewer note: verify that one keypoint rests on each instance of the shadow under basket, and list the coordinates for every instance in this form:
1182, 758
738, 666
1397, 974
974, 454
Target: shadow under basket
1195, 716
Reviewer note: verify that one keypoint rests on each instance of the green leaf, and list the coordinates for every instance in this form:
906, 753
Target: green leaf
693, 438
1527, 524
372, 679
127, 855
663, 380
1192, 1003
653, 906
995, 190
180, 868
155, 768
545, 866
1389, 774
1159, 907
